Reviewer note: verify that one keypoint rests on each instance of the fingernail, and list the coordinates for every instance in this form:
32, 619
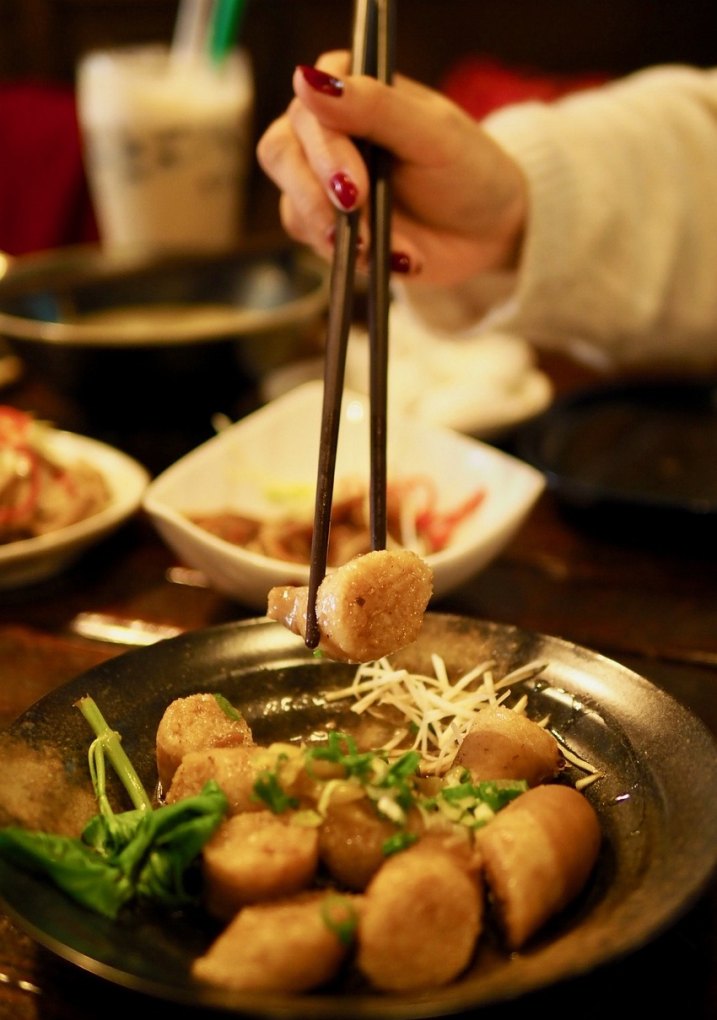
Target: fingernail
321, 81
400, 262
344, 189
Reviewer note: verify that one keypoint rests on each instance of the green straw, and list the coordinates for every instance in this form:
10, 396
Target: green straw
224, 30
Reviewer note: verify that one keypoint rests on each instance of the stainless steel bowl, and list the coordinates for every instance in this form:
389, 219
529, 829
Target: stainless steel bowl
137, 344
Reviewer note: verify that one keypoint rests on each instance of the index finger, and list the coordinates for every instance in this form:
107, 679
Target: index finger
406, 118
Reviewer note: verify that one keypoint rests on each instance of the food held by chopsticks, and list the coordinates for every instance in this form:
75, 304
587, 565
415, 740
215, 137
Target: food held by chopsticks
372, 52
370, 607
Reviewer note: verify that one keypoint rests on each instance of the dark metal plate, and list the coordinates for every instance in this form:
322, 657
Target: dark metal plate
656, 804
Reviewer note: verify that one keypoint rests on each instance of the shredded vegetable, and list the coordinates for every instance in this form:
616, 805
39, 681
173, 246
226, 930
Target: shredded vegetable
438, 712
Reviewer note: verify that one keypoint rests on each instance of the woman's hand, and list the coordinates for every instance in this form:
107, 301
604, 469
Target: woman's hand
459, 201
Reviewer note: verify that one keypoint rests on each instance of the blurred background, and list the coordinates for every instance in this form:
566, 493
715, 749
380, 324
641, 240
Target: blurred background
483, 54
534, 42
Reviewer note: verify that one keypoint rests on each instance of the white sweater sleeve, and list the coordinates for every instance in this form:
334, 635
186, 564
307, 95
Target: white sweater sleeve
620, 255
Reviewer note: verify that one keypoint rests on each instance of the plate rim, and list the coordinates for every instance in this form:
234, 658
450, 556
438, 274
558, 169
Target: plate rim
126, 499
454, 998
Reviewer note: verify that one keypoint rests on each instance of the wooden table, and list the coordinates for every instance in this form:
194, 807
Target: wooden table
647, 605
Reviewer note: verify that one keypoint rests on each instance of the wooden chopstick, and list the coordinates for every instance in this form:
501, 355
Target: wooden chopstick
379, 295
372, 53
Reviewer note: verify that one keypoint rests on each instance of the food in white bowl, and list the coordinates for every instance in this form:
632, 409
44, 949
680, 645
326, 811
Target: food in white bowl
40, 493
59, 494
413, 521
264, 467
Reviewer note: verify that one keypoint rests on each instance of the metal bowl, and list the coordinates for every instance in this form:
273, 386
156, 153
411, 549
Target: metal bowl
135, 342
84, 298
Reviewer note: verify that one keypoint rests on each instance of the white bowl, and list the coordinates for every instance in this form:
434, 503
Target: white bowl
31, 560
276, 449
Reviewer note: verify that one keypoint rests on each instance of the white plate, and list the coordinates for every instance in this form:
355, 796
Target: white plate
276, 450
35, 559
481, 385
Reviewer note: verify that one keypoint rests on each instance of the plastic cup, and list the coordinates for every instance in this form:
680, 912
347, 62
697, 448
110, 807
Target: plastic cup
167, 147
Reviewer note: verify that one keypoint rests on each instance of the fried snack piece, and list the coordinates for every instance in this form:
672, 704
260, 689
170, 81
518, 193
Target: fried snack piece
368, 608
289, 945
420, 921
351, 841
538, 853
256, 856
502, 744
234, 769
195, 723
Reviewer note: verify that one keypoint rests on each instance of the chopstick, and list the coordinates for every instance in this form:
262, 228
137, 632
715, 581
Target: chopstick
372, 53
379, 163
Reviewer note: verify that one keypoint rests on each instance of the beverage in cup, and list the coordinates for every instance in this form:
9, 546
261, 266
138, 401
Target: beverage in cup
167, 146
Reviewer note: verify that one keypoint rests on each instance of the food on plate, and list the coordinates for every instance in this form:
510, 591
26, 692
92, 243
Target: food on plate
257, 856
537, 856
286, 946
444, 861
500, 745
421, 919
38, 493
369, 607
430, 874
353, 837
197, 721
234, 769
137, 856
434, 714
403, 854
413, 517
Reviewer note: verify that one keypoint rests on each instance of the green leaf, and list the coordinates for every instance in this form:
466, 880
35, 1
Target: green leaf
75, 868
137, 855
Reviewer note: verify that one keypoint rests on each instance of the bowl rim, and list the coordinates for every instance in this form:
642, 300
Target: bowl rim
125, 500
156, 505
201, 324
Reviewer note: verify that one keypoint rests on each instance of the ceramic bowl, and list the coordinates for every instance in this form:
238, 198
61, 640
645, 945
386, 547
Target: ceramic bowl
257, 464
32, 560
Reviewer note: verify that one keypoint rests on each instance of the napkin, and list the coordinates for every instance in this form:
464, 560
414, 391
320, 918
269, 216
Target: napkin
480, 385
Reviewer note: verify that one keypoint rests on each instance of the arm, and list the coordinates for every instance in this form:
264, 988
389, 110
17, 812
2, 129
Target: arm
621, 234
589, 225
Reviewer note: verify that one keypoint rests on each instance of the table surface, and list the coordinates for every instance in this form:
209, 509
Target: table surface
649, 604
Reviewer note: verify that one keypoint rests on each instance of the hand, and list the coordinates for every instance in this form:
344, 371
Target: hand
459, 201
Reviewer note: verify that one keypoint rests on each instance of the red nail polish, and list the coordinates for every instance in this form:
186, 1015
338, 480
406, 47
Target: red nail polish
344, 189
400, 262
321, 81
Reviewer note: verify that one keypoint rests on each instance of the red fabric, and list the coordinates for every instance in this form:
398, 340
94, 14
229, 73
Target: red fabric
482, 84
44, 202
